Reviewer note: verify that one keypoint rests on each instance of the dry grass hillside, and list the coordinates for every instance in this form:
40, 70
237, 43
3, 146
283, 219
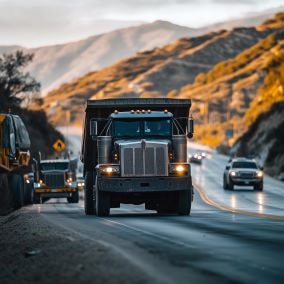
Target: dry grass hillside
265, 139
57, 64
232, 89
159, 72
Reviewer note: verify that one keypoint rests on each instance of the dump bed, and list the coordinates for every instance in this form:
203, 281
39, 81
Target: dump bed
101, 110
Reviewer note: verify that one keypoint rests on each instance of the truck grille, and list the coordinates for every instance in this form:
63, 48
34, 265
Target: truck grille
152, 160
54, 179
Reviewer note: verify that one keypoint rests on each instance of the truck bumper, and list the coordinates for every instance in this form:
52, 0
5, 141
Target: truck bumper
55, 192
144, 184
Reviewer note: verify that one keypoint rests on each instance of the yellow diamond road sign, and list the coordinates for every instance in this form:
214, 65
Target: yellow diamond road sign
59, 145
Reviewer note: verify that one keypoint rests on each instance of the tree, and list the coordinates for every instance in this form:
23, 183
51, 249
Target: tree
16, 85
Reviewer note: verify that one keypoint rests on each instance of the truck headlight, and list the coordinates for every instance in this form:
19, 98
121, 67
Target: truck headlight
109, 170
179, 169
233, 174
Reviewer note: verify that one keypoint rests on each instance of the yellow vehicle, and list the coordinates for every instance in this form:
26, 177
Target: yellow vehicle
14, 159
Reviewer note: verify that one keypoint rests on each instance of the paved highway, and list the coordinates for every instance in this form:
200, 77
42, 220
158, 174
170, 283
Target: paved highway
230, 237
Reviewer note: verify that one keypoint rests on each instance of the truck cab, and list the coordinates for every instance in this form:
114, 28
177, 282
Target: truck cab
55, 178
137, 156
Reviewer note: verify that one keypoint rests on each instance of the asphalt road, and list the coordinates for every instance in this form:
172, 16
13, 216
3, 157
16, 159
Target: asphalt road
230, 237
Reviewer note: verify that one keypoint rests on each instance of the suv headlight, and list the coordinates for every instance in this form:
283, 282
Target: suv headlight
109, 170
179, 169
259, 174
233, 173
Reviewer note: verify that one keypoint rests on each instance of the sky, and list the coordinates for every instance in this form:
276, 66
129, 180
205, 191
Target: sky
32, 23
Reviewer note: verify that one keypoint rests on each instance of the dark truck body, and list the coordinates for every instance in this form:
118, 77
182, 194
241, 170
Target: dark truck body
56, 179
145, 165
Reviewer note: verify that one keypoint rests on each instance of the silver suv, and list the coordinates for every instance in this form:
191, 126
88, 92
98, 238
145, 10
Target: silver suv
243, 171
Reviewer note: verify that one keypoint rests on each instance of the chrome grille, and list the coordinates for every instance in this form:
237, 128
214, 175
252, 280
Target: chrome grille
54, 179
247, 175
150, 160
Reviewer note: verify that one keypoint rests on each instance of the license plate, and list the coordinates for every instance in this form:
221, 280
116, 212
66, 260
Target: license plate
54, 190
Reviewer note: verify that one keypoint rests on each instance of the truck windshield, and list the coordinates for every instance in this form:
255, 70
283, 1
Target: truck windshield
142, 128
157, 127
54, 166
127, 128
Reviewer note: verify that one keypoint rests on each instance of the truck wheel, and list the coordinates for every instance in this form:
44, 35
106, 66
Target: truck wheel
74, 197
88, 193
36, 198
102, 202
5, 195
17, 188
184, 202
28, 193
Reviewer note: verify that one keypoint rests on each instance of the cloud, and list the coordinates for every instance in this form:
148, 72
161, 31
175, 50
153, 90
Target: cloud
37, 22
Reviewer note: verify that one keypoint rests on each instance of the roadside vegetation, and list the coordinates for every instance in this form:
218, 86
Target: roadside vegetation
18, 91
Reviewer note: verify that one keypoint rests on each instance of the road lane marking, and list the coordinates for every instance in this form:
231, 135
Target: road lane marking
156, 236
223, 207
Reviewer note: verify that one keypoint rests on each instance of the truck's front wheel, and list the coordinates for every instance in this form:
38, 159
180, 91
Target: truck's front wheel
184, 202
102, 202
28, 193
88, 193
74, 198
17, 187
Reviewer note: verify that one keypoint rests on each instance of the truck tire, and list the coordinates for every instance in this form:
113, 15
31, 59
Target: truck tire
17, 187
28, 193
89, 202
102, 202
5, 195
36, 198
74, 198
184, 202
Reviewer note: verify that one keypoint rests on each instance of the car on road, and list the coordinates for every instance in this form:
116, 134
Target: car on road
195, 158
243, 172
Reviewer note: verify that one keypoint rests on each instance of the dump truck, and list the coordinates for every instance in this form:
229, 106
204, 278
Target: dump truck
134, 151
14, 160
55, 178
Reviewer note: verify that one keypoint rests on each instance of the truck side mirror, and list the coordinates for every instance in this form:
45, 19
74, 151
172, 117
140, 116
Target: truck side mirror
93, 128
190, 127
35, 169
227, 167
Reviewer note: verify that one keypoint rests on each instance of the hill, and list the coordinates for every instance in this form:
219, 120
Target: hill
172, 70
231, 90
57, 64
54, 65
264, 140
